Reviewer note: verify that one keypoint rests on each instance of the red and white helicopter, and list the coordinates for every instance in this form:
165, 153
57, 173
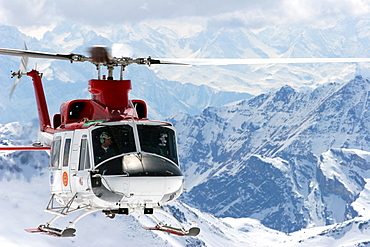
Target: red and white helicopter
105, 154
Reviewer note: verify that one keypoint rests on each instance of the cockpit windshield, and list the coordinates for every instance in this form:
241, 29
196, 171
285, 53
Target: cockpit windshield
110, 141
159, 140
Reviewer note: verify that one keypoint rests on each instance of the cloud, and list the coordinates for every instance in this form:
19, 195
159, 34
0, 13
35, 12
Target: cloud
219, 12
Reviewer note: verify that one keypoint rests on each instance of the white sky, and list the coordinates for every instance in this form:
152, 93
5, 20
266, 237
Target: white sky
251, 13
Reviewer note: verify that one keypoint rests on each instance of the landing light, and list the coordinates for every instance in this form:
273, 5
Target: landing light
148, 210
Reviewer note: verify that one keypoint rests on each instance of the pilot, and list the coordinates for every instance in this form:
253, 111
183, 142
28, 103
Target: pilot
104, 151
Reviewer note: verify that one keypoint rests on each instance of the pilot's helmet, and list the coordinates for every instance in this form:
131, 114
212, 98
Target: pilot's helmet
104, 136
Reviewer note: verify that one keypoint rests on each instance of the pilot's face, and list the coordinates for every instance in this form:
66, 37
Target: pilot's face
107, 141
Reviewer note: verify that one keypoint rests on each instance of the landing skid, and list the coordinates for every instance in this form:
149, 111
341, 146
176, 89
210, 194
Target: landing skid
61, 211
68, 232
192, 232
180, 230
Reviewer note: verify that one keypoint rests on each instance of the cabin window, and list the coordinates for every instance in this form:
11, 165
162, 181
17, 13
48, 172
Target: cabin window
84, 162
67, 148
121, 140
55, 153
75, 110
158, 140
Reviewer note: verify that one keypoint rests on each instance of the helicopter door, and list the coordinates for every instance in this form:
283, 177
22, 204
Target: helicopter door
66, 161
84, 165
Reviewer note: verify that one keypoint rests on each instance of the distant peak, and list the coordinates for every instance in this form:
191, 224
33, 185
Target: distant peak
284, 93
287, 88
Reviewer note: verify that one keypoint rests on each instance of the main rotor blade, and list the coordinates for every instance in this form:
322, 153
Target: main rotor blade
36, 54
255, 61
151, 61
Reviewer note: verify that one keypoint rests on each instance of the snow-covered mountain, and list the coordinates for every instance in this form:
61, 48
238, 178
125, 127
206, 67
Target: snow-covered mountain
289, 159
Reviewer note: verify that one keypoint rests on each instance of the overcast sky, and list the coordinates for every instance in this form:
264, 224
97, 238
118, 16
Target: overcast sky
29, 14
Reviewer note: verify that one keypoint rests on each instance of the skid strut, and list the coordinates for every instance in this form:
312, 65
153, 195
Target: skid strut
67, 232
61, 211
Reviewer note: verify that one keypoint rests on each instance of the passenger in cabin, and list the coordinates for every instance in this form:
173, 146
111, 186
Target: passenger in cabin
104, 151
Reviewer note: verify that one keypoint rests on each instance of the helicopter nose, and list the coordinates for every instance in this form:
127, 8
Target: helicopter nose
149, 165
143, 177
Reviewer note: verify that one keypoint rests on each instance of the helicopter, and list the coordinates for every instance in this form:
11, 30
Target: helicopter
105, 154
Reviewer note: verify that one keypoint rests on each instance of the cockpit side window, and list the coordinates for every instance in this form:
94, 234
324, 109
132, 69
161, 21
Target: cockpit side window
55, 153
159, 140
87, 162
84, 162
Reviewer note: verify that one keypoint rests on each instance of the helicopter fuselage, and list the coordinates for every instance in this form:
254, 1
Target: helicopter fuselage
139, 172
